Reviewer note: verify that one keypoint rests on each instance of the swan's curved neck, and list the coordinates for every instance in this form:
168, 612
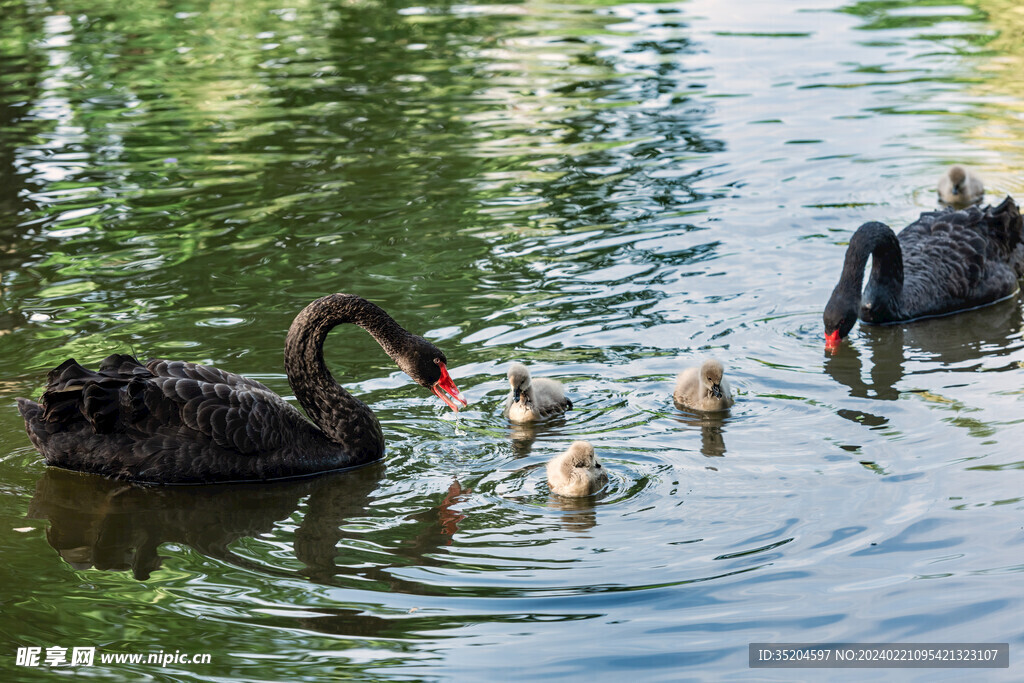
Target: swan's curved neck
886, 280
339, 414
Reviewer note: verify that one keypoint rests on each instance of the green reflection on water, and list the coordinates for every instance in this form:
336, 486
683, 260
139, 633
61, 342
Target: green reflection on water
179, 179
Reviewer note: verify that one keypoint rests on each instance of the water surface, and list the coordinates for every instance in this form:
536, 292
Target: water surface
607, 192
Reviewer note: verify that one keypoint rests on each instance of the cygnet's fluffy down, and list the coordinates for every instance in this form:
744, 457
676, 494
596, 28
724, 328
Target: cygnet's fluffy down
576, 472
960, 188
704, 388
533, 399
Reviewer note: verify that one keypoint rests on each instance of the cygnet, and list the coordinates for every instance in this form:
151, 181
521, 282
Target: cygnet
533, 399
704, 388
960, 188
577, 472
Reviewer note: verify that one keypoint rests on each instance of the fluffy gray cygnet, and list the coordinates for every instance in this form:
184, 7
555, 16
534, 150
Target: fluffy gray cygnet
960, 188
703, 388
533, 399
577, 472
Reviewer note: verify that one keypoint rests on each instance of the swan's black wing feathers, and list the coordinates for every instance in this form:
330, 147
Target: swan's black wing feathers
203, 373
959, 259
141, 421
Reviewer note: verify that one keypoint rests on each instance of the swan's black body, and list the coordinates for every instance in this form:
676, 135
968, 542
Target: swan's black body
178, 422
944, 262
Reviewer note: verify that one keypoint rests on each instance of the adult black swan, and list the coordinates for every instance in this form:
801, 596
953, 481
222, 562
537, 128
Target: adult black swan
944, 262
174, 422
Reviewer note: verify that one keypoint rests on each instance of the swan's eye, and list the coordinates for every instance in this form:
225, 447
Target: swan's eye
598, 465
437, 361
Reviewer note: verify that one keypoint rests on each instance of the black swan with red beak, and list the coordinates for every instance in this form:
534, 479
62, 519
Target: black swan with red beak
944, 262
174, 422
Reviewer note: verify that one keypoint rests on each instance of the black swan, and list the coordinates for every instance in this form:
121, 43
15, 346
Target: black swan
704, 388
533, 399
960, 188
175, 422
944, 262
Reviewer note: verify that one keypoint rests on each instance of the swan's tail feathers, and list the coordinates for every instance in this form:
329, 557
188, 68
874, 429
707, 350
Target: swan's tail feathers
31, 411
1007, 205
122, 365
1006, 223
28, 409
34, 426
111, 396
66, 372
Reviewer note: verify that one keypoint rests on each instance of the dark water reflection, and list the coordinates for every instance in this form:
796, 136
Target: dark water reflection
949, 344
601, 191
109, 525
712, 429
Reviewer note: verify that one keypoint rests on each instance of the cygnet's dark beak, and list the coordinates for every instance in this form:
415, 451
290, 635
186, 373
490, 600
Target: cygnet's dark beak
448, 385
516, 393
716, 390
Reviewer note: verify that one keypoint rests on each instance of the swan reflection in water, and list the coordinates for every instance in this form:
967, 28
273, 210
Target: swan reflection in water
711, 426
111, 525
575, 514
524, 435
989, 332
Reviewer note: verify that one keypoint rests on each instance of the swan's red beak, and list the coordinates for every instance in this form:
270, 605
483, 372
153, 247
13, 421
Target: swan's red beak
447, 385
832, 341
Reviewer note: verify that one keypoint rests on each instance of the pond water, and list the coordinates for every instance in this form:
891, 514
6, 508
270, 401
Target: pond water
607, 192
